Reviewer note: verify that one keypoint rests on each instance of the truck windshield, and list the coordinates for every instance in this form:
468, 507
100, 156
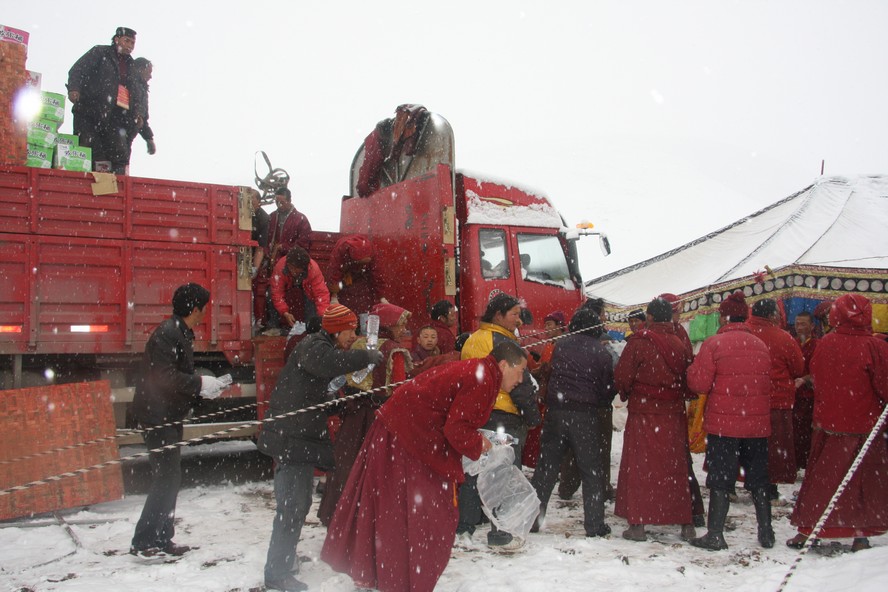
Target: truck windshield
494, 260
543, 261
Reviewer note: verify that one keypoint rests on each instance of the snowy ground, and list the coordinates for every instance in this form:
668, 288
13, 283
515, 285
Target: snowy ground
231, 525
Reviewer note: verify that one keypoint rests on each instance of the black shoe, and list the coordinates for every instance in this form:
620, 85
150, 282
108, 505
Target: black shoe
169, 549
286, 584
601, 531
175, 550
711, 541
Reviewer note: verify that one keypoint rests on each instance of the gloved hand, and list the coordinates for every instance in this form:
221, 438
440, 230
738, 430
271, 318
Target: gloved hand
375, 356
152, 147
210, 387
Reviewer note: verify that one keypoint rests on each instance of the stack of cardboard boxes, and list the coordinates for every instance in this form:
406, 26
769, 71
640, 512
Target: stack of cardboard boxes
46, 147
13, 76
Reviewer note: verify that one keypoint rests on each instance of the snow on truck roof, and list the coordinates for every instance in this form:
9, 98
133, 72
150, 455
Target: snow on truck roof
498, 202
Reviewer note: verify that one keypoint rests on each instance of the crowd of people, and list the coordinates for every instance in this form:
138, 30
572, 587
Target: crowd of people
397, 498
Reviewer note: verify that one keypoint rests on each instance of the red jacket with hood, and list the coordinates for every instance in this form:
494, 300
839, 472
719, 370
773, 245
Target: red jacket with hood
850, 370
733, 367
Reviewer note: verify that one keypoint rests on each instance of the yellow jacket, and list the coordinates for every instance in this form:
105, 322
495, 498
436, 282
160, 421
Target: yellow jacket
479, 345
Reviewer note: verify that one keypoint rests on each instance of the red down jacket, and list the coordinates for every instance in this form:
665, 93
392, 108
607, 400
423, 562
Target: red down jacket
733, 367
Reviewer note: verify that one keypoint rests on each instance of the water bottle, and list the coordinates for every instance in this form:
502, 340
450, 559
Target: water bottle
372, 342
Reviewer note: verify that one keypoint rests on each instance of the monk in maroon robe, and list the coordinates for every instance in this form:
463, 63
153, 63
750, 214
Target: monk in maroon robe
394, 526
653, 483
850, 372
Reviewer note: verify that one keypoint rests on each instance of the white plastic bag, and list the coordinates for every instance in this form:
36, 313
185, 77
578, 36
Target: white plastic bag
507, 497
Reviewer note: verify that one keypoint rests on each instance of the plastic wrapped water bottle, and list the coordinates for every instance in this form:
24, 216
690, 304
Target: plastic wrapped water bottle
336, 384
372, 342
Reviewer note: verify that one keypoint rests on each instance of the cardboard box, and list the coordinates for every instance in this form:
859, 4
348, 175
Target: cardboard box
63, 141
13, 35
43, 133
74, 158
53, 106
35, 79
39, 157
67, 140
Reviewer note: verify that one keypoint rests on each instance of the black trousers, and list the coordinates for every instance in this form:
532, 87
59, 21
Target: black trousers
726, 455
155, 527
107, 136
469, 501
587, 434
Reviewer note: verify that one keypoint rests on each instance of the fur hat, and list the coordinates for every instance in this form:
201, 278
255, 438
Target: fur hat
734, 306
338, 318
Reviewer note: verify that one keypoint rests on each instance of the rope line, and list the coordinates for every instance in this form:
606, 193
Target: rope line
809, 542
213, 435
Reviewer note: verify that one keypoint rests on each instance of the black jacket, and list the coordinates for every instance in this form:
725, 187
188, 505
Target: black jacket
96, 76
303, 382
582, 374
167, 387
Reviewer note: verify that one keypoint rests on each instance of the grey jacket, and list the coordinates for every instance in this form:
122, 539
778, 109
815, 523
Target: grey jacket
303, 382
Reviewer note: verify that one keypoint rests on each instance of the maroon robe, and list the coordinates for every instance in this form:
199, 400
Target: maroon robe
652, 487
393, 528
850, 372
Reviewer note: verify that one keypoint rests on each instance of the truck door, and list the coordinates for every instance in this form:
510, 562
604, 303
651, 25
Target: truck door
544, 280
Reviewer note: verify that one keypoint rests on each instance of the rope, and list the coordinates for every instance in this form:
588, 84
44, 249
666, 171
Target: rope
198, 439
128, 433
835, 498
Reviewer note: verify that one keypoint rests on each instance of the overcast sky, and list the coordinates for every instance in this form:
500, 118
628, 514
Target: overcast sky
657, 121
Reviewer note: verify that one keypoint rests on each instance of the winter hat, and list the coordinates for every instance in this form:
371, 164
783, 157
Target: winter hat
822, 309
852, 309
671, 299
124, 32
734, 306
359, 247
389, 314
338, 318
556, 316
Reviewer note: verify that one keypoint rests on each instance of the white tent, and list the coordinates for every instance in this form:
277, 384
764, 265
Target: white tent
831, 236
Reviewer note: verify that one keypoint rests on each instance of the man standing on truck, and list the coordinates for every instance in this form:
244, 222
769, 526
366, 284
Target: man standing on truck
100, 84
166, 391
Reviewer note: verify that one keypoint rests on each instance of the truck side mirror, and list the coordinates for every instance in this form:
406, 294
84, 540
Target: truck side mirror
605, 244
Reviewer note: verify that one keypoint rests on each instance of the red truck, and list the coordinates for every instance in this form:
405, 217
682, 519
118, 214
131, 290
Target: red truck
87, 277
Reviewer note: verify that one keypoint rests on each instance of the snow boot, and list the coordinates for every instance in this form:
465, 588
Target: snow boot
762, 503
714, 539
860, 544
286, 584
635, 532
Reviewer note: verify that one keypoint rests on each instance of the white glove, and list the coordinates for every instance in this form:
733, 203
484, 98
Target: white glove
211, 387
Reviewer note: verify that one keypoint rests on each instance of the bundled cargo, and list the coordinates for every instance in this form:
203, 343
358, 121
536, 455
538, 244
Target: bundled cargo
53, 107
73, 158
39, 157
43, 133
13, 76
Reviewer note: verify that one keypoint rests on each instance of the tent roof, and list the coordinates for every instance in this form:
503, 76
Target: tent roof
836, 222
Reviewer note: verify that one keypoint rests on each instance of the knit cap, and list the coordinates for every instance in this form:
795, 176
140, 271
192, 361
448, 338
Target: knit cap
338, 318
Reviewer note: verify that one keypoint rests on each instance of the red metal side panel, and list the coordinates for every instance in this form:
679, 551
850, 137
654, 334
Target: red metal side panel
61, 203
15, 191
79, 303
64, 205
405, 222
179, 211
14, 291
